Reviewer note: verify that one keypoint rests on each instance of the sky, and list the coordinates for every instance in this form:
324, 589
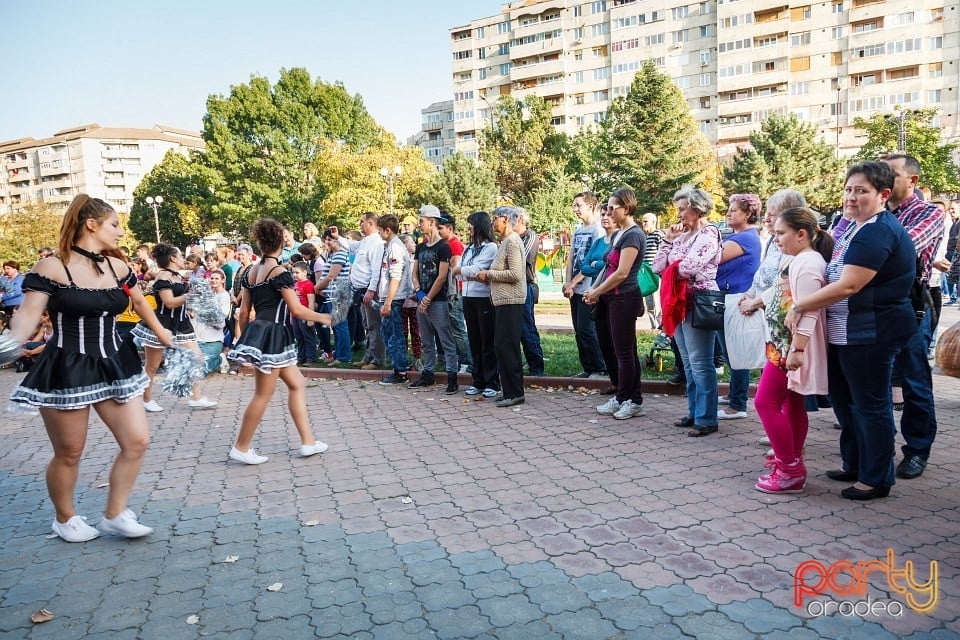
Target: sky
137, 63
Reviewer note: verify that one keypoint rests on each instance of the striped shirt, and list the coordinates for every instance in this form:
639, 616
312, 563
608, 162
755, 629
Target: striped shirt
341, 258
924, 222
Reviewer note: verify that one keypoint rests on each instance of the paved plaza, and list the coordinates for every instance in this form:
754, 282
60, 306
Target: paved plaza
433, 516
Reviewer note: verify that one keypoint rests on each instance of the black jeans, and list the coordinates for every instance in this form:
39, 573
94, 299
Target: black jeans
478, 314
604, 338
585, 332
624, 310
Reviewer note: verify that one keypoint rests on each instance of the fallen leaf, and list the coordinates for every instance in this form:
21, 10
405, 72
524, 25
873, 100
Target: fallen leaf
582, 389
42, 616
593, 421
406, 500
276, 586
231, 559
516, 410
311, 523
103, 486
193, 619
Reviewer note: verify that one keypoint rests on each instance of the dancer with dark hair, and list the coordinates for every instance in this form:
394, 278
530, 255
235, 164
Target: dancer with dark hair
267, 343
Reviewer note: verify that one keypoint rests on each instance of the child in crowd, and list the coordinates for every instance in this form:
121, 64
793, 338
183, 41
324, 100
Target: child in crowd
304, 331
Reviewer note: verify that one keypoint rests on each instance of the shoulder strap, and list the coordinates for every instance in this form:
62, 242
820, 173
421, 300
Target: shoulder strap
113, 271
67, 271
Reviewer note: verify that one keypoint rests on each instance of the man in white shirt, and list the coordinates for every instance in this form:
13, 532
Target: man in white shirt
365, 277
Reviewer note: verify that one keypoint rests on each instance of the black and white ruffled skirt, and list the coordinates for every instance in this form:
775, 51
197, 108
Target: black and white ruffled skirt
145, 336
266, 346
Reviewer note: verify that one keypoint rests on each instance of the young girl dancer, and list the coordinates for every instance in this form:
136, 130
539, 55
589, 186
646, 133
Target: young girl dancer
267, 343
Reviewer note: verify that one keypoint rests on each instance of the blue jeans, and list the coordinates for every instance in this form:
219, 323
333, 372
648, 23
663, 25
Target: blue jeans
211, 355
739, 379
911, 370
696, 352
306, 337
394, 337
860, 392
585, 332
530, 338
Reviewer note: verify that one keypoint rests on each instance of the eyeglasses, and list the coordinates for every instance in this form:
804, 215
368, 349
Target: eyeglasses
605, 213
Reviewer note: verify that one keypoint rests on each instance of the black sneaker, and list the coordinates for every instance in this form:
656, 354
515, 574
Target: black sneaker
677, 379
452, 388
394, 378
422, 381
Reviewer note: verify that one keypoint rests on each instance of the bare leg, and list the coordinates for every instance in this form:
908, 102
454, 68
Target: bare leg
297, 402
154, 356
263, 391
67, 431
128, 423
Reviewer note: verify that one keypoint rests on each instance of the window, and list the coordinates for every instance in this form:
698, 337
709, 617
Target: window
623, 23
704, 57
704, 8
463, 115
505, 69
934, 95
935, 69
706, 79
769, 41
800, 64
659, 61
705, 126
598, 6
865, 79
578, 77
602, 73
601, 96
626, 67
683, 35
652, 40
621, 45
868, 104
837, 7
464, 77
578, 33
706, 30
531, 20
462, 35
902, 46
936, 42
800, 13
836, 58
683, 82
736, 21
902, 19
679, 60
580, 121
503, 49
705, 102
578, 98
869, 25
577, 11
462, 55
903, 74
578, 54
838, 32
463, 95
503, 27
910, 97
653, 16
599, 52
600, 29
480, 32
482, 75
799, 39
799, 88
678, 13
869, 52
556, 120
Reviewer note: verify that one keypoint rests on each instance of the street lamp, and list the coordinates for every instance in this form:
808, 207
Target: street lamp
390, 176
154, 203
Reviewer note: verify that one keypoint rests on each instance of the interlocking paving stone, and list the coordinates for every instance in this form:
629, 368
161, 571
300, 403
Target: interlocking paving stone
522, 525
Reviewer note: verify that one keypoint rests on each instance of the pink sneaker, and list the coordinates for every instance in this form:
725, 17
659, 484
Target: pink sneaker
785, 478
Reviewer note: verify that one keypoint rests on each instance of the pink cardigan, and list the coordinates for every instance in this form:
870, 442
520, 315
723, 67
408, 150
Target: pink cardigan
806, 273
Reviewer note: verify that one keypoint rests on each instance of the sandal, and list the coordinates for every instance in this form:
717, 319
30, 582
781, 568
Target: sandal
684, 422
700, 430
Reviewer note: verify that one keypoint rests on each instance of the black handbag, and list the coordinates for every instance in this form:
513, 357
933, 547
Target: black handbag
708, 308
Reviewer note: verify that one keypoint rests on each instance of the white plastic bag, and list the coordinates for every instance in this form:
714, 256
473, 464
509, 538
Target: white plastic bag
746, 335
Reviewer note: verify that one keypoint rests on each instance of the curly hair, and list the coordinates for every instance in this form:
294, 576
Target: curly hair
163, 253
749, 203
268, 234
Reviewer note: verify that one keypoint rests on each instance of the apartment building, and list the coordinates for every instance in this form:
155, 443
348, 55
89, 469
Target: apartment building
104, 162
436, 137
736, 61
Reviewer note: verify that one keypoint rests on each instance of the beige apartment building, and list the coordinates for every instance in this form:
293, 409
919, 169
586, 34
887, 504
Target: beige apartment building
104, 162
436, 137
736, 61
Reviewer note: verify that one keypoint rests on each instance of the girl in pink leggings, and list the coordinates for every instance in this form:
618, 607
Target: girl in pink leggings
797, 359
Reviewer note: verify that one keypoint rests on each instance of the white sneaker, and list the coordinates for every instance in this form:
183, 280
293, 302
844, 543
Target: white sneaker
629, 410
598, 376
736, 415
202, 403
247, 457
609, 407
764, 441
75, 529
464, 368
472, 391
490, 393
152, 406
124, 525
224, 364
307, 450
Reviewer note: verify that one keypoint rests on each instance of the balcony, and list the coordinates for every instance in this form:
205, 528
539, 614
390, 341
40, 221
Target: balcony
19, 163
64, 167
65, 196
114, 180
547, 45
728, 133
526, 71
19, 176
131, 153
431, 126
60, 183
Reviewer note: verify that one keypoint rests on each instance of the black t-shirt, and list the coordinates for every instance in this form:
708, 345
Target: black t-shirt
428, 259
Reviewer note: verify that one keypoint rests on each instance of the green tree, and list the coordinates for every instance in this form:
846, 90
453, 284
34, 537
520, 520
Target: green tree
551, 206
938, 170
786, 153
264, 142
521, 146
462, 187
23, 233
650, 142
184, 216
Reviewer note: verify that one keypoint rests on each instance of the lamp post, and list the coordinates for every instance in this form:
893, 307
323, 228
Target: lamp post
154, 203
390, 175
838, 117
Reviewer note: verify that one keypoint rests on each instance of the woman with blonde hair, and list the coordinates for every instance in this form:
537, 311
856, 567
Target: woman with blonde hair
85, 363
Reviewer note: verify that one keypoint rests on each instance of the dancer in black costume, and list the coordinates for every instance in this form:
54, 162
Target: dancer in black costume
86, 363
170, 292
267, 343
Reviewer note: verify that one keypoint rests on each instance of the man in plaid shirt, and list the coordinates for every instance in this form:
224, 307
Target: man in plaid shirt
924, 222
